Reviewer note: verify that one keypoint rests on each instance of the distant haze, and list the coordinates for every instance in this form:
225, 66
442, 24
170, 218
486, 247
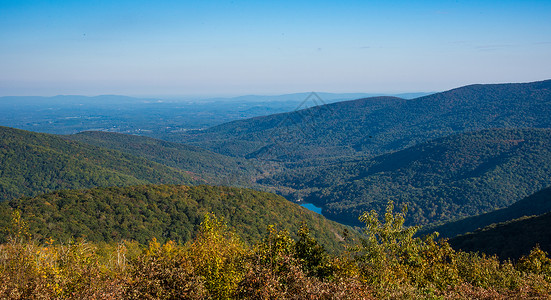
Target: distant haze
231, 48
153, 116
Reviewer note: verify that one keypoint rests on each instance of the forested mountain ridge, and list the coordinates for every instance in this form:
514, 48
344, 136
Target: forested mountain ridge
536, 204
275, 135
460, 175
374, 126
332, 165
33, 163
164, 212
508, 240
213, 167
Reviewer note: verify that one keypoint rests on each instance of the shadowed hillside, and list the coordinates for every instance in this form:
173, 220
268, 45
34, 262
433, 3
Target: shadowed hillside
535, 204
460, 175
511, 239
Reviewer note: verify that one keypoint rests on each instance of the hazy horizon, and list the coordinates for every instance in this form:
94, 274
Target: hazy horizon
300, 95
233, 48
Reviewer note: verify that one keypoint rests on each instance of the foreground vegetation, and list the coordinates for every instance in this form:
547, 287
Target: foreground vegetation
387, 263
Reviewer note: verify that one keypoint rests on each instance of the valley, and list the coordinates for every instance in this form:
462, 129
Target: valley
346, 157
473, 163
220, 150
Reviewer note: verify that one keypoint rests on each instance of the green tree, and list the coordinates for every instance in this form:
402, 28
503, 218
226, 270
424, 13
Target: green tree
311, 254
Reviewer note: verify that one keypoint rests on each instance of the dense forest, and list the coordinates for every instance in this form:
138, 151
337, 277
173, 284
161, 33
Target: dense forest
536, 204
374, 126
213, 167
33, 163
461, 175
164, 212
445, 179
109, 215
508, 240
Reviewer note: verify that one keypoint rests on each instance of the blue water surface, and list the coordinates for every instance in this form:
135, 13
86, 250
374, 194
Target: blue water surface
311, 207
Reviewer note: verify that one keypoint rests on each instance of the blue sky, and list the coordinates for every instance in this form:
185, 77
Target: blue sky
225, 48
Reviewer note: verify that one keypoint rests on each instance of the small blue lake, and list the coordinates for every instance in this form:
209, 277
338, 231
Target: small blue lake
311, 207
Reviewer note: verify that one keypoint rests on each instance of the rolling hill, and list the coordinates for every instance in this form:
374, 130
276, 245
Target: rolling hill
212, 167
163, 212
460, 175
536, 204
374, 126
508, 240
33, 163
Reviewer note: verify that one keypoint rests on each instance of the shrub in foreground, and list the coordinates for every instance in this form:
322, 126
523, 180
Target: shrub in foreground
390, 263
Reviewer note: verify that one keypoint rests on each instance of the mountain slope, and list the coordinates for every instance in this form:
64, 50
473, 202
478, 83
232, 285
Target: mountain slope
511, 239
460, 175
536, 204
213, 167
32, 163
299, 134
164, 212
374, 126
